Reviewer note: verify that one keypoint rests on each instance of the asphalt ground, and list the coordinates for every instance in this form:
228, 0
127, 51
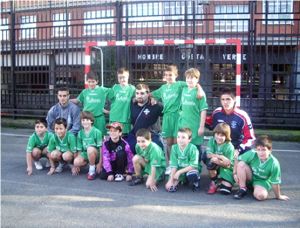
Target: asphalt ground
63, 200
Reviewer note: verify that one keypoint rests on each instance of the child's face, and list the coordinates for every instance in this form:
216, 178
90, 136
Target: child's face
86, 123
220, 138
40, 129
114, 134
183, 139
227, 102
92, 83
263, 152
142, 142
60, 130
123, 79
191, 81
170, 77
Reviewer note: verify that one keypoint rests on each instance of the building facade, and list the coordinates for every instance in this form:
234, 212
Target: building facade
42, 48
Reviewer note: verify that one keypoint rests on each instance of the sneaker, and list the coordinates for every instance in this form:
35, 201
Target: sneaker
136, 180
119, 177
168, 170
47, 164
212, 188
91, 176
240, 194
38, 165
225, 190
60, 167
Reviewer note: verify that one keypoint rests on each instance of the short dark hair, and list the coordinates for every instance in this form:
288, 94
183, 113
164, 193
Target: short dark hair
63, 89
264, 141
87, 115
91, 75
123, 70
187, 131
142, 86
172, 68
60, 121
143, 132
228, 91
41, 121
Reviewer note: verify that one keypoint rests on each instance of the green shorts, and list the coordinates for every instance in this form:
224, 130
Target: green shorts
170, 125
86, 158
159, 174
263, 183
100, 123
227, 175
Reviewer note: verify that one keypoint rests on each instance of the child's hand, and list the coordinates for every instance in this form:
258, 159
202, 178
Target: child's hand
153, 101
51, 171
151, 184
283, 197
199, 92
128, 177
110, 178
201, 131
75, 170
29, 171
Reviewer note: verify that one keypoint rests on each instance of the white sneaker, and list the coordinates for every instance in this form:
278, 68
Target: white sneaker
38, 165
60, 167
168, 170
47, 164
119, 177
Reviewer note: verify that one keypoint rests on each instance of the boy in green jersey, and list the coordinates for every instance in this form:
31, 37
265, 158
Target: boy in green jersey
37, 146
89, 142
170, 95
193, 110
261, 169
184, 162
61, 147
219, 160
121, 96
93, 100
149, 160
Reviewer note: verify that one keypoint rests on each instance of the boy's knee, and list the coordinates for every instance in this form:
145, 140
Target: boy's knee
242, 165
136, 159
36, 153
91, 150
67, 156
55, 155
260, 195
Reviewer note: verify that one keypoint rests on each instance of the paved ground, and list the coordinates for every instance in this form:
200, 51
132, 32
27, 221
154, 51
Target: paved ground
66, 201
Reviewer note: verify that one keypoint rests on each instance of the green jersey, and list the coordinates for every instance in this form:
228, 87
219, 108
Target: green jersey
68, 143
121, 97
268, 171
153, 154
226, 149
191, 107
189, 156
170, 95
93, 138
93, 100
35, 141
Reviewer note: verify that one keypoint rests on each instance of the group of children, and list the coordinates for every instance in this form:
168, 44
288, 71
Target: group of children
184, 113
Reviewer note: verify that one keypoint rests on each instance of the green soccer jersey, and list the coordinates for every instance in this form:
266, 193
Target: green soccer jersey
191, 107
121, 97
35, 141
68, 143
183, 158
93, 100
226, 149
268, 171
93, 138
170, 95
153, 154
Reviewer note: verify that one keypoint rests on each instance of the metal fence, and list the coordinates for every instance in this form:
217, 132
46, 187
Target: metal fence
42, 48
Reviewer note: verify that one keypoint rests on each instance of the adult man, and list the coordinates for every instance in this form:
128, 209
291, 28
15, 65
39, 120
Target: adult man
64, 109
242, 133
144, 115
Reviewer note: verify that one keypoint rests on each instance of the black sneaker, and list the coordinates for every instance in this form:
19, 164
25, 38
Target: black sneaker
240, 194
136, 181
225, 190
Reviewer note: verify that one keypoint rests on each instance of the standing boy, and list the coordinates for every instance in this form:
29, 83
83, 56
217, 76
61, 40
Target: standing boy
149, 160
184, 162
62, 146
121, 96
117, 156
89, 142
261, 169
37, 146
93, 100
193, 110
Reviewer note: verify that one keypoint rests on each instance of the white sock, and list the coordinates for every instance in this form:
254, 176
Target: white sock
92, 169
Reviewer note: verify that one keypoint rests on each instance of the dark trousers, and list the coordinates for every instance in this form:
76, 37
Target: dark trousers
118, 166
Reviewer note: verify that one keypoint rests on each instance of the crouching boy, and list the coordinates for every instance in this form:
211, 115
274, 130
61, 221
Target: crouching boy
149, 161
184, 162
261, 169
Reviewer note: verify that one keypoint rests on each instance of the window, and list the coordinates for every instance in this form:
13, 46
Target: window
231, 18
28, 27
280, 10
98, 22
174, 13
4, 29
59, 25
144, 15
